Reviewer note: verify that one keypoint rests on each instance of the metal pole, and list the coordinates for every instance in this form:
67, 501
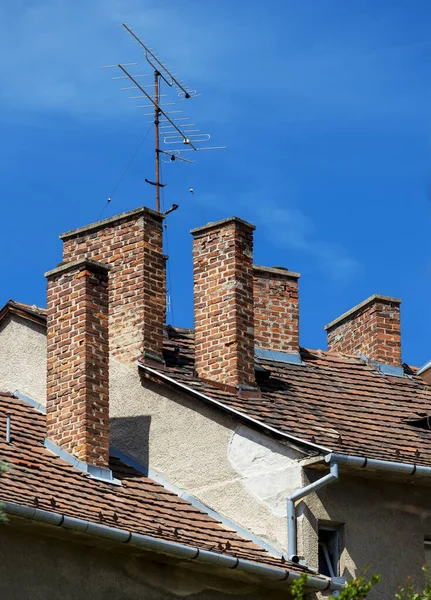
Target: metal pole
156, 128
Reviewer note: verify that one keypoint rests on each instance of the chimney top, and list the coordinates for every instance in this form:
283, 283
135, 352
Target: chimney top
283, 271
358, 307
64, 267
110, 220
221, 223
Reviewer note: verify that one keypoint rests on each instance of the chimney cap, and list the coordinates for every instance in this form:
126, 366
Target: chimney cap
283, 271
111, 220
222, 223
85, 263
357, 308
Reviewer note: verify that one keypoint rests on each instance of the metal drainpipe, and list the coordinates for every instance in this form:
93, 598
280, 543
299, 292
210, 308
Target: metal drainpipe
298, 495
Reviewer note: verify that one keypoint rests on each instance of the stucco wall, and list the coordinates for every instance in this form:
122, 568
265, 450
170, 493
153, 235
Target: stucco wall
240, 473
40, 567
236, 471
23, 358
383, 526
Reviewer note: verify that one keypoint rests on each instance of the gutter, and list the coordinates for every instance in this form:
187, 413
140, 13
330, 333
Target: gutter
335, 461
362, 462
170, 548
299, 495
233, 411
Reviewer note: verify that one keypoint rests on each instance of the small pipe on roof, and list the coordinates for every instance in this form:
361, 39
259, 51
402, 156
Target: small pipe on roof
299, 495
171, 548
8, 424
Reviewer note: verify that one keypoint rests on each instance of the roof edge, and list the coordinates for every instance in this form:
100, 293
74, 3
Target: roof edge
165, 547
160, 478
232, 411
15, 308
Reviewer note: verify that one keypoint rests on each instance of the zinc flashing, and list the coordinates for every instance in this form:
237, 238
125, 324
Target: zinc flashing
94, 472
155, 476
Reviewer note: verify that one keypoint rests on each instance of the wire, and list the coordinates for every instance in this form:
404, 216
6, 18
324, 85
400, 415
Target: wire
126, 169
168, 266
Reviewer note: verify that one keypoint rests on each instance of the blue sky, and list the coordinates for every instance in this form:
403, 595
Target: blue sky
324, 107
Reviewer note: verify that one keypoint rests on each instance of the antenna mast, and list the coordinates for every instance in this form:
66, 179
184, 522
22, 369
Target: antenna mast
157, 139
174, 130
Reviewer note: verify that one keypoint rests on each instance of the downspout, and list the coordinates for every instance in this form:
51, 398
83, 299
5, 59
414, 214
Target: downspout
165, 547
299, 495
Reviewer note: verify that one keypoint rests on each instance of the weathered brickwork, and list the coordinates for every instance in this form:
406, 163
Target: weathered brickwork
78, 360
372, 328
223, 291
131, 243
276, 309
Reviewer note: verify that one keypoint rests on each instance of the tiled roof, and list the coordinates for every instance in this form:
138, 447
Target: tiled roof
32, 313
42, 480
334, 401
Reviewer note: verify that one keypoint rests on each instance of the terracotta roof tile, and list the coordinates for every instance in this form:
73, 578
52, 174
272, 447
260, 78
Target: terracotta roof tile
43, 480
336, 401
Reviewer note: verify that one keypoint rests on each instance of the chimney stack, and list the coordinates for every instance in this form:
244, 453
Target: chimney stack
276, 309
78, 360
371, 328
223, 292
131, 244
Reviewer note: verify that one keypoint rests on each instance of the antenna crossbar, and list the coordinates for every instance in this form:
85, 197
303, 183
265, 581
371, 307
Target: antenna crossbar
170, 80
157, 106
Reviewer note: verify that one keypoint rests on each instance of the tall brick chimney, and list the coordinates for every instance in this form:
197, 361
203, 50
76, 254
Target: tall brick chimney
223, 291
371, 328
276, 309
131, 244
77, 409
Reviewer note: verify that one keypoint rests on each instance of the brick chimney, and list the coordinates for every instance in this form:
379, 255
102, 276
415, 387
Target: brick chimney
77, 409
223, 291
371, 328
131, 244
276, 309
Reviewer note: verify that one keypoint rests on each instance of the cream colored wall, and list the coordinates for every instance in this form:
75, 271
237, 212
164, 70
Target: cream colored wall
383, 527
238, 472
23, 358
38, 566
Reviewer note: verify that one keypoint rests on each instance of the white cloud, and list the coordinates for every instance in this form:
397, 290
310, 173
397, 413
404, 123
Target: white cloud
291, 228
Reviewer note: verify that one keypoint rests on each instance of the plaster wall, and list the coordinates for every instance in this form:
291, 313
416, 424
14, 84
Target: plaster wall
382, 524
240, 473
23, 358
38, 567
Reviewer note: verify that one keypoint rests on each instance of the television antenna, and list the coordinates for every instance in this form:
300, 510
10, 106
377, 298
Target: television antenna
174, 130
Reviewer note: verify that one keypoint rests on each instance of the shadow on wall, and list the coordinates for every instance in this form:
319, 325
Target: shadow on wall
132, 436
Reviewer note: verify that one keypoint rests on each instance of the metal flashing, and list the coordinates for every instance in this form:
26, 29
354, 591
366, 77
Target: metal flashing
155, 476
240, 415
424, 368
382, 368
94, 472
28, 400
290, 358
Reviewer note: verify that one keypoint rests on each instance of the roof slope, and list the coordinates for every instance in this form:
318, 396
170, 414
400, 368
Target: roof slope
31, 313
335, 401
41, 479
332, 400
